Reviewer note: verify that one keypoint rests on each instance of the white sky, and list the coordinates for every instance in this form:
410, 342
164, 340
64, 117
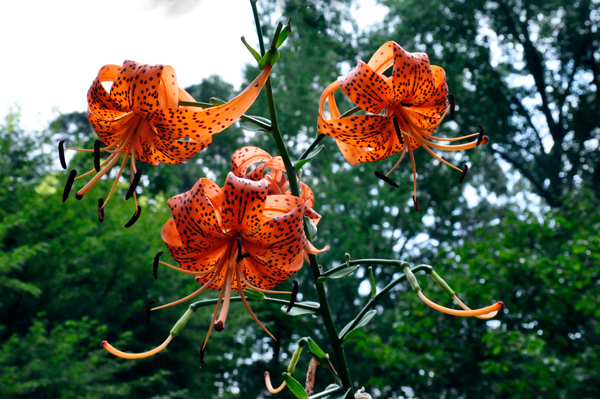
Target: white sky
52, 50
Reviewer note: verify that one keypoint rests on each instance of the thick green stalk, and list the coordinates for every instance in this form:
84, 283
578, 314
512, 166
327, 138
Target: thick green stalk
325, 313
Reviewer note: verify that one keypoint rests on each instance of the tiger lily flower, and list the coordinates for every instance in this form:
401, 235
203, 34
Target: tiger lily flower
243, 158
139, 118
414, 101
233, 238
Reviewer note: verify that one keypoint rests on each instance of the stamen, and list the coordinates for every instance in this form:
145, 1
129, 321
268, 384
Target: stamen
147, 312
134, 218
463, 174
61, 154
293, 298
481, 136
134, 183
201, 355
124, 355
204, 273
114, 186
78, 196
398, 131
192, 295
398, 163
386, 179
245, 302
97, 145
220, 324
465, 313
68, 185
155, 265
101, 209
270, 386
452, 101
416, 202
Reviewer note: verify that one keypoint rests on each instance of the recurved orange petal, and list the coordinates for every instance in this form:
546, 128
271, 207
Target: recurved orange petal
243, 203
366, 88
265, 275
383, 58
196, 218
245, 157
412, 78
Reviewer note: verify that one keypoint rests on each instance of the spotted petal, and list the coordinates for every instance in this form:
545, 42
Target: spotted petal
412, 78
243, 203
366, 88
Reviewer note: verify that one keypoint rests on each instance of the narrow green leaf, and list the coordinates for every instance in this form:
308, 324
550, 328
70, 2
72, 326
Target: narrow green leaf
254, 295
252, 127
295, 386
361, 323
296, 311
315, 349
340, 273
252, 51
310, 156
217, 101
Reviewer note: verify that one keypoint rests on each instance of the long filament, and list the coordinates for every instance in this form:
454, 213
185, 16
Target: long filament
245, 302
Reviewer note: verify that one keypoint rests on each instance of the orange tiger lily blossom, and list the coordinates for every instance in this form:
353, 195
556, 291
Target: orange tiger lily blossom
243, 158
140, 119
414, 101
234, 238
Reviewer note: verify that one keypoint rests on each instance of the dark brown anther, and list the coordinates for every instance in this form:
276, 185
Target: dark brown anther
134, 183
201, 355
386, 179
134, 218
155, 265
243, 256
97, 145
480, 137
219, 325
416, 201
69, 184
463, 174
147, 312
238, 240
398, 131
293, 298
277, 344
452, 102
61, 154
101, 209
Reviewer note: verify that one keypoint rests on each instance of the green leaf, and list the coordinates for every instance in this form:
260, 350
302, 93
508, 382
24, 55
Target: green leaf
252, 127
295, 386
340, 273
312, 229
254, 295
310, 156
252, 51
316, 350
361, 323
217, 101
296, 311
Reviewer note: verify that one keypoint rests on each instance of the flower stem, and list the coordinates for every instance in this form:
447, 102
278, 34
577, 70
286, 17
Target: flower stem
325, 312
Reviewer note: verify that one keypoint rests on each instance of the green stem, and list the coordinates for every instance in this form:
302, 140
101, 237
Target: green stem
384, 291
336, 343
